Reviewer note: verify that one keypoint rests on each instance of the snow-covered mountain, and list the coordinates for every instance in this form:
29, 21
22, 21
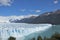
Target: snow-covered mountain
5, 19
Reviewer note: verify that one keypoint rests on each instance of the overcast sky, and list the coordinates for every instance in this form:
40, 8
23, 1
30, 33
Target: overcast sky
26, 7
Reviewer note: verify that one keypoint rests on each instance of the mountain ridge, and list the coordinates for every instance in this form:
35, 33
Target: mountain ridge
47, 17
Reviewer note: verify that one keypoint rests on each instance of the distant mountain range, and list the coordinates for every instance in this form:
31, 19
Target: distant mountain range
24, 20
10, 19
47, 17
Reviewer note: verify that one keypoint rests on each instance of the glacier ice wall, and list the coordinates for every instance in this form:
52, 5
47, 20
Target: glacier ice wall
19, 30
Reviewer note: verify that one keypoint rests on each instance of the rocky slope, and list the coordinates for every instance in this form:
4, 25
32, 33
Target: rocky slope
49, 17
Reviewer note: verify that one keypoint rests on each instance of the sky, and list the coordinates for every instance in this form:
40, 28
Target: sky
27, 7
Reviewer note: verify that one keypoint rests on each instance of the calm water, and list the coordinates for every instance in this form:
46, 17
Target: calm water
24, 31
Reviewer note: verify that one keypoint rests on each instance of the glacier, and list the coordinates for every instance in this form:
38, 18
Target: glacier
19, 30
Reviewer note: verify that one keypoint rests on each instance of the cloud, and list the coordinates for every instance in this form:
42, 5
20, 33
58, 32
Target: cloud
56, 1
37, 11
6, 2
23, 10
